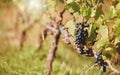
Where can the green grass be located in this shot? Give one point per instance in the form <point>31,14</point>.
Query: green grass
<point>32,62</point>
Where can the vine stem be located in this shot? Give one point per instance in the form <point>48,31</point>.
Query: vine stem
<point>51,54</point>
<point>53,26</point>
<point>42,37</point>
<point>112,68</point>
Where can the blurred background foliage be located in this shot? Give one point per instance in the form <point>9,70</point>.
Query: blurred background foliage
<point>26,18</point>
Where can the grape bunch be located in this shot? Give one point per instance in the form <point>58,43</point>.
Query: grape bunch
<point>99,60</point>
<point>81,33</point>
<point>81,36</point>
<point>89,52</point>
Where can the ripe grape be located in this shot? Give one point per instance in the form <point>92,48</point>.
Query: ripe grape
<point>89,52</point>
<point>99,60</point>
<point>81,33</point>
<point>81,50</point>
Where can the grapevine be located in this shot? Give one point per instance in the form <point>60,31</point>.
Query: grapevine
<point>82,36</point>
<point>88,27</point>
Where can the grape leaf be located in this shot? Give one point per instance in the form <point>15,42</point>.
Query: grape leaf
<point>78,1</point>
<point>112,12</point>
<point>109,52</point>
<point>5,1</point>
<point>52,4</point>
<point>62,1</point>
<point>93,12</point>
<point>91,30</point>
<point>90,2</point>
<point>99,12</point>
<point>118,9</point>
<point>73,7</point>
<point>76,15</point>
<point>104,40</point>
<point>85,11</point>
<point>117,40</point>
<point>69,1</point>
<point>116,28</point>
<point>71,27</point>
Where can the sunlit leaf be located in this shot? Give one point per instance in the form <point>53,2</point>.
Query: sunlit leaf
<point>109,52</point>
<point>92,32</point>
<point>51,5</point>
<point>116,28</point>
<point>76,15</point>
<point>73,7</point>
<point>69,1</point>
<point>5,1</point>
<point>118,9</point>
<point>93,12</point>
<point>112,11</point>
<point>71,26</point>
<point>117,40</point>
<point>62,1</point>
<point>85,11</point>
<point>90,2</point>
<point>104,40</point>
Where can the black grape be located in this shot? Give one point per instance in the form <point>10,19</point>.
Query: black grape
<point>89,52</point>
<point>81,33</point>
<point>81,50</point>
<point>104,68</point>
<point>99,60</point>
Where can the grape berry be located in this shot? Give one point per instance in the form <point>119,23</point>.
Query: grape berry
<point>99,60</point>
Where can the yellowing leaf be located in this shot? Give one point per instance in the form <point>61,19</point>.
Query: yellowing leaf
<point>71,26</point>
<point>93,12</point>
<point>69,1</point>
<point>104,40</point>
<point>116,28</point>
<point>112,11</point>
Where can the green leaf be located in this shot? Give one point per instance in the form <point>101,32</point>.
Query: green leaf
<point>99,12</point>
<point>109,52</point>
<point>112,12</point>
<point>117,40</point>
<point>69,1</point>
<point>85,11</point>
<point>118,9</point>
<point>62,1</point>
<point>116,28</point>
<point>90,2</point>
<point>118,6</point>
<point>104,40</point>
<point>78,1</point>
<point>91,30</point>
<point>73,7</point>
<point>71,27</point>
<point>93,12</point>
<point>76,15</point>
<point>104,57</point>
<point>6,1</point>
<point>52,4</point>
